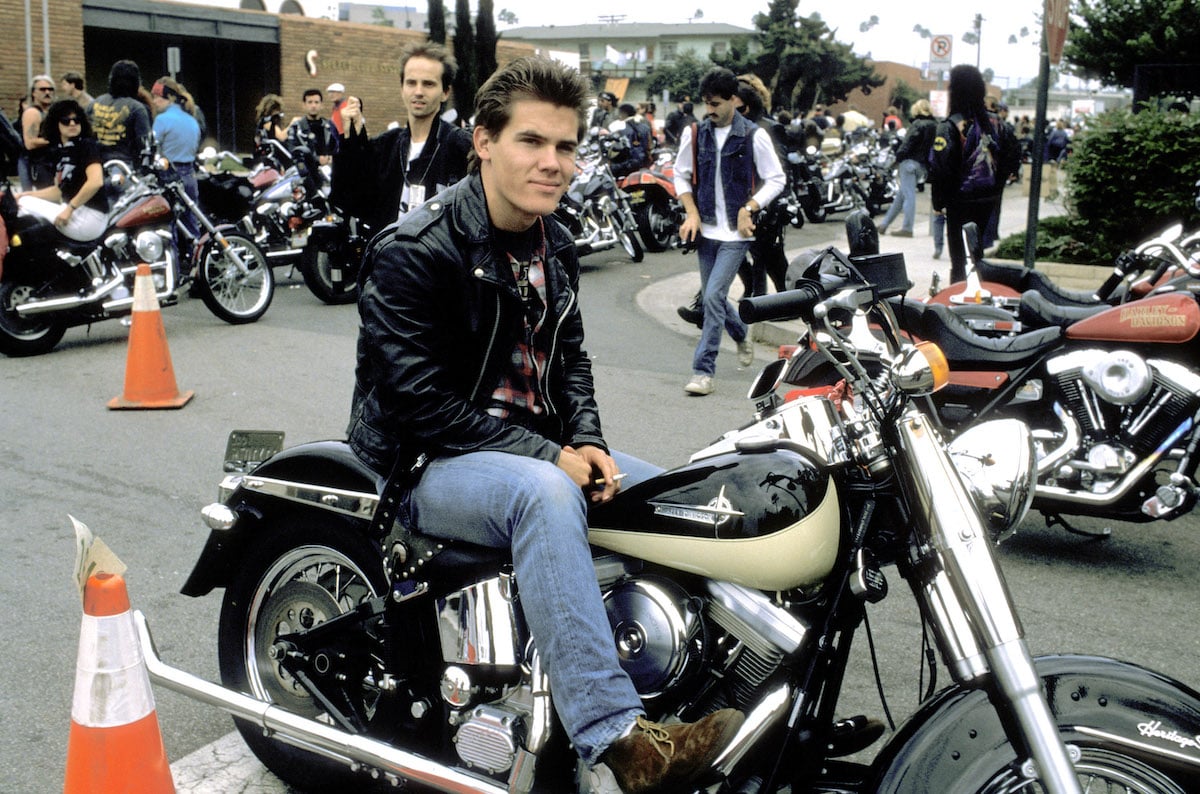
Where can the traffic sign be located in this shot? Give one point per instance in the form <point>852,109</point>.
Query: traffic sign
<point>940,49</point>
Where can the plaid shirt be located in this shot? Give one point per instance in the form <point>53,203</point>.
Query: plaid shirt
<point>518,394</point>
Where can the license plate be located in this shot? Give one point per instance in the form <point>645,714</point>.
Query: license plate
<point>245,449</point>
<point>300,239</point>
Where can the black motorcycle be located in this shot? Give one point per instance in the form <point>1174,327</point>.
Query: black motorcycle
<point>352,647</point>
<point>282,201</point>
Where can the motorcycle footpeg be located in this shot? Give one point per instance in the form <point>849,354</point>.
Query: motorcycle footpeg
<point>852,735</point>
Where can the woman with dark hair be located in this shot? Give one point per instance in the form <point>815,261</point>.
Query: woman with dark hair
<point>972,156</point>
<point>270,120</point>
<point>120,118</point>
<point>75,203</point>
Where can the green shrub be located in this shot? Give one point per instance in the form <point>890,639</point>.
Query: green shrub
<point>1129,176</point>
<point>1056,241</point>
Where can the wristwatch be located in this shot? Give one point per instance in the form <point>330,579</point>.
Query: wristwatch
<point>749,208</point>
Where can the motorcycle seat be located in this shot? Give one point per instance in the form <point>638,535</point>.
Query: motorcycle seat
<point>966,350</point>
<point>1037,311</point>
<point>1028,280</point>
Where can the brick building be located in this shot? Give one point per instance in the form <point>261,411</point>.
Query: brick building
<point>228,58</point>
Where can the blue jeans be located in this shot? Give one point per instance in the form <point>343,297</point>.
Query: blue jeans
<point>719,263</point>
<point>906,199</point>
<point>531,506</point>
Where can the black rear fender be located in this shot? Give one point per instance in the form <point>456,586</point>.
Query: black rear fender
<point>320,482</point>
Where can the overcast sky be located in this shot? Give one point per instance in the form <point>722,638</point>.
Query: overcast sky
<point>891,39</point>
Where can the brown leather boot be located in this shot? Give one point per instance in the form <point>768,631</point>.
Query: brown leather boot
<point>666,758</point>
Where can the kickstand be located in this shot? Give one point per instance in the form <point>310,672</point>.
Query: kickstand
<point>1057,520</point>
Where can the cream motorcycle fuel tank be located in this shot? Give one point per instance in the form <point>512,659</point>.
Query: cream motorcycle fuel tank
<point>767,520</point>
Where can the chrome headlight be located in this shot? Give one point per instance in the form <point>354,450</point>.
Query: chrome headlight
<point>149,246</point>
<point>995,460</point>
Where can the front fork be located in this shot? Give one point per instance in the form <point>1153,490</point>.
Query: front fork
<point>229,251</point>
<point>969,603</point>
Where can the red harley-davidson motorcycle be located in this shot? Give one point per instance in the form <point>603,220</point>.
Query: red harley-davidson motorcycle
<point>49,283</point>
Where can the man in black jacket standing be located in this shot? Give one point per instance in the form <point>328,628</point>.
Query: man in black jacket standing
<point>381,179</point>
<point>475,397</point>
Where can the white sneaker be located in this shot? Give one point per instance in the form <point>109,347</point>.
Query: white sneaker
<point>699,385</point>
<point>745,350</point>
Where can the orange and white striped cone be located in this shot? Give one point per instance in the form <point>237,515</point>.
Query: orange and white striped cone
<point>149,376</point>
<point>115,745</point>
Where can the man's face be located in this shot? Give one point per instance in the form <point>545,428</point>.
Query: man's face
<point>422,87</point>
<point>527,167</point>
<point>720,110</point>
<point>335,97</point>
<point>68,90</point>
<point>605,103</point>
<point>43,94</point>
<point>313,104</point>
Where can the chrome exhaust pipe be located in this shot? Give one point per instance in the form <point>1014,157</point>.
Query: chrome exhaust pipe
<point>67,302</point>
<point>316,737</point>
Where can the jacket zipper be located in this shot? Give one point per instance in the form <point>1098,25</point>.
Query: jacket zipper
<point>554,346</point>
<point>488,353</point>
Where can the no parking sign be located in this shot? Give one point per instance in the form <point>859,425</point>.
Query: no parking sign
<point>940,48</point>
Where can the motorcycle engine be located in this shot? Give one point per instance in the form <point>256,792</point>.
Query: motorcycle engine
<point>1126,407</point>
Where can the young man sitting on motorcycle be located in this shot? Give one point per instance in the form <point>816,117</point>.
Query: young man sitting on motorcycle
<point>474,391</point>
<point>75,203</point>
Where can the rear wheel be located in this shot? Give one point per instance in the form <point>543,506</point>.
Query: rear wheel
<point>328,275</point>
<point>299,577</point>
<point>230,294</point>
<point>656,226</point>
<point>25,336</point>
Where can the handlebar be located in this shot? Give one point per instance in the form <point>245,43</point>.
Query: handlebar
<point>789,305</point>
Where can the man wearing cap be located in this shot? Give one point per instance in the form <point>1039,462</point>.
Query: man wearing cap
<point>313,130</point>
<point>382,179</point>
<point>336,92</point>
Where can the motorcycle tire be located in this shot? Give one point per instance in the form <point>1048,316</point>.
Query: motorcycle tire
<point>316,267</point>
<point>657,229</point>
<point>25,336</point>
<point>235,298</point>
<point>632,246</point>
<point>815,211</point>
<point>1097,769</point>
<point>297,577</point>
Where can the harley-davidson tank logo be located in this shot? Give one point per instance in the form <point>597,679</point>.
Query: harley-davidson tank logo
<point>1152,317</point>
<point>715,513</point>
<point>1154,730</point>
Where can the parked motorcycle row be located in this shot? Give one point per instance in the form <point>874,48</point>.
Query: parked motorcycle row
<point>276,213</point>
<point>1108,380</point>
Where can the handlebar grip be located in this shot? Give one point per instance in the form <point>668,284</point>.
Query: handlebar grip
<point>1110,284</point>
<point>789,305</point>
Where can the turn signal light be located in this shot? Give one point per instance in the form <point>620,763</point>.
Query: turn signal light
<point>937,363</point>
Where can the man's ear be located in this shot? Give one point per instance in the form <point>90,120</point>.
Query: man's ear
<point>482,140</point>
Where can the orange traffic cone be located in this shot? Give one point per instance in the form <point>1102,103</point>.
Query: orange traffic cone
<point>114,745</point>
<point>149,376</point>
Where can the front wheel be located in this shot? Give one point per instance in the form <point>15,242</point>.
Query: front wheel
<point>230,294</point>
<point>1097,770</point>
<point>631,245</point>
<point>297,578</point>
<point>25,336</point>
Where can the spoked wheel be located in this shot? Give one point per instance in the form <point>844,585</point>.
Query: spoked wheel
<point>1100,772</point>
<point>25,336</point>
<point>631,245</point>
<point>297,579</point>
<point>230,294</point>
<point>656,226</point>
<point>330,278</point>
<point>815,211</point>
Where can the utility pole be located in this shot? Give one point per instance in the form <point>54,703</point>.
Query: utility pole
<point>978,37</point>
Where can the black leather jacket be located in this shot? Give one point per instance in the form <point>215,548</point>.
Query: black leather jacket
<point>440,319</point>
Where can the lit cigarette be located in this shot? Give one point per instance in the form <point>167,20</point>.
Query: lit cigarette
<point>615,478</point>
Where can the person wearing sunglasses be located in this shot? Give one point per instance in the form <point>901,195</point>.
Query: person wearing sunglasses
<point>37,166</point>
<point>75,203</point>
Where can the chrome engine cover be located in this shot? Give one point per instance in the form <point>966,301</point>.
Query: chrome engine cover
<point>489,737</point>
<point>652,628</point>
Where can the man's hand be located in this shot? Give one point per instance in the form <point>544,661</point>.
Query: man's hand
<point>352,114</point>
<point>588,467</point>
<point>689,228</point>
<point>745,223</point>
